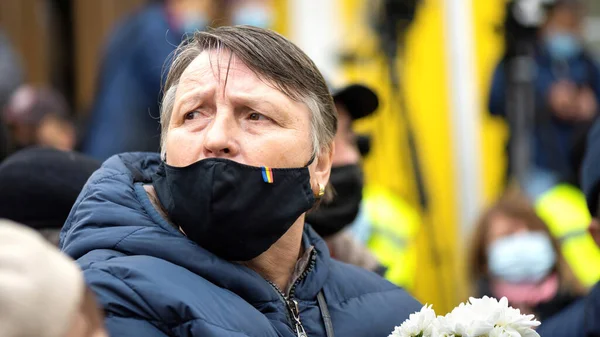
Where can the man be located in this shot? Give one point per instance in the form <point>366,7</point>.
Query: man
<point>209,238</point>
<point>42,292</point>
<point>567,90</point>
<point>38,187</point>
<point>331,218</point>
<point>365,226</point>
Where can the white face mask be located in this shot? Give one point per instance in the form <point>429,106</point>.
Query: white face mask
<point>522,258</point>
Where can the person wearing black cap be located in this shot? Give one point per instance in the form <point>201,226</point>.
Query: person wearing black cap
<point>352,102</point>
<point>38,187</point>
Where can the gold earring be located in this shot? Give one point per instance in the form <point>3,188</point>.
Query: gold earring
<point>321,191</point>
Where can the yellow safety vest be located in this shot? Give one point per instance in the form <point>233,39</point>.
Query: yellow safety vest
<point>565,211</point>
<point>394,227</point>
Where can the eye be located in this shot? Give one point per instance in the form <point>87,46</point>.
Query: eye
<point>255,116</point>
<point>191,115</point>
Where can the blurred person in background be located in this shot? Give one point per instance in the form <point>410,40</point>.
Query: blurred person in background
<point>567,90</point>
<point>38,116</point>
<point>257,13</point>
<point>38,187</point>
<point>514,256</point>
<point>42,291</point>
<point>364,225</point>
<point>124,115</point>
<point>208,238</point>
<point>582,318</point>
<point>331,217</point>
<point>375,230</point>
<point>11,78</point>
<point>125,112</point>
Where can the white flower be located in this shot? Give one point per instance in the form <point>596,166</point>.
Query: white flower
<point>503,316</point>
<point>478,317</point>
<point>513,319</point>
<point>463,321</point>
<point>504,332</point>
<point>419,324</point>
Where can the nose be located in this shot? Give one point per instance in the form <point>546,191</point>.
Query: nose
<point>219,140</point>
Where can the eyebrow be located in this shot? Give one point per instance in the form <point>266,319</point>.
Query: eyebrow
<point>262,105</point>
<point>190,101</point>
<point>194,96</point>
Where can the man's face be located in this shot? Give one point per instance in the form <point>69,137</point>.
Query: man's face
<point>346,149</point>
<point>228,112</point>
<point>564,19</point>
<point>192,6</point>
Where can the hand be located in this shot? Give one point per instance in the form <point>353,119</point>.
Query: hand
<point>562,99</point>
<point>587,104</point>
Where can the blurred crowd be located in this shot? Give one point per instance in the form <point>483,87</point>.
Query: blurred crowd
<point>537,245</point>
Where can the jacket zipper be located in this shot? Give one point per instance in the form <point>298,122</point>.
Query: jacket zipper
<point>291,304</point>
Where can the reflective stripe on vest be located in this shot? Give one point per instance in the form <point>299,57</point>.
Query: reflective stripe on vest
<point>565,211</point>
<point>394,226</point>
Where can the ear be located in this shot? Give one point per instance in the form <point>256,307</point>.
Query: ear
<point>322,168</point>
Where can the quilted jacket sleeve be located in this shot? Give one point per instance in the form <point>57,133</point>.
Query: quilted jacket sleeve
<point>127,315</point>
<point>131,327</point>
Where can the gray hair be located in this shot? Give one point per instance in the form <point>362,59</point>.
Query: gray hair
<point>271,57</point>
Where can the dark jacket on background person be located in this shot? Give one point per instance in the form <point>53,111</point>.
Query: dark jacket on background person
<point>125,111</point>
<point>581,319</point>
<point>153,281</point>
<point>553,139</point>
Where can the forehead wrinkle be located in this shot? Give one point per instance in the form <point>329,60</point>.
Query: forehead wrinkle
<point>191,90</point>
<point>216,68</point>
<point>241,90</point>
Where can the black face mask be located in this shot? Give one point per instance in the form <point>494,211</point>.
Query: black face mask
<point>233,210</point>
<point>332,217</point>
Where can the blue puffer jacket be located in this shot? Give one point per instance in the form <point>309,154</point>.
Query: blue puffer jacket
<point>578,320</point>
<point>153,281</point>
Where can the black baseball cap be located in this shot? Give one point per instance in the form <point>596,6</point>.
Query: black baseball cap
<point>360,101</point>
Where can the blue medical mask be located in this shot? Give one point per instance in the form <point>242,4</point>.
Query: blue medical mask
<point>192,22</point>
<point>522,258</point>
<point>563,46</point>
<point>257,16</point>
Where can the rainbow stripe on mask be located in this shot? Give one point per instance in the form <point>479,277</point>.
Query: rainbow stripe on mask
<point>267,174</point>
